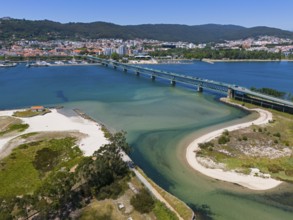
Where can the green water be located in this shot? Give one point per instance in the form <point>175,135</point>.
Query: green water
<point>160,124</point>
<point>160,121</point>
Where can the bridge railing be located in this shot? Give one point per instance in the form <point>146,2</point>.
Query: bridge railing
<point>210,84</point>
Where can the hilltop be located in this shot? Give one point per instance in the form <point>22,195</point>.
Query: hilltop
<point>49,30</point>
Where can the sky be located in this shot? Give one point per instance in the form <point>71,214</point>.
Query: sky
<point>247,13</point>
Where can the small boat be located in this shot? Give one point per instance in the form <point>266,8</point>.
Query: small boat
<point>72,62</point>
<point>39,64</point>
<point>59,63</point>
<point>5,65</point>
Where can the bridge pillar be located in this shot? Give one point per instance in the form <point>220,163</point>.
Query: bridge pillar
<point>230,93</point>
<point>199,88</point>
<point>173,82</point>
<point>137,73</point>
<point>153,77</point>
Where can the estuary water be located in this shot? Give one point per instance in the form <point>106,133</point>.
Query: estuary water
<point>161,120</point>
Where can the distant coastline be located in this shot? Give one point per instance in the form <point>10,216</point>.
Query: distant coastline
<point>242,60</point>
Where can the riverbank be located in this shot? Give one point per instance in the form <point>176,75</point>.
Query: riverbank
<point>212,61</point>
<point>55,121</point>
<point>248,181</point>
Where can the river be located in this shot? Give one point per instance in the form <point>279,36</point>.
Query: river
<point>161,120</point>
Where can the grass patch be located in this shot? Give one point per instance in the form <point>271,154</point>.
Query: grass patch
<point>106,131</point>
<point>23,171</point>
<point>108,209</point>
<point>29,113</point>
<point>14,127</point>
<point>162,212</point>
<point>100,211</point>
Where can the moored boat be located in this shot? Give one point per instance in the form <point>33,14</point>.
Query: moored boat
<point>8,64</point>
<point>39,64</point>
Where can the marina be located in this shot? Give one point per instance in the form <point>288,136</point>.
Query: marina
<point>59,63</point>
<point>7,65</point>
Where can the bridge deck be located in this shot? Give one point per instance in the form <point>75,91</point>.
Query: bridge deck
<point>194,81</point>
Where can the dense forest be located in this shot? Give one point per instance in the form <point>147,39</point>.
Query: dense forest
<point>44,30</point>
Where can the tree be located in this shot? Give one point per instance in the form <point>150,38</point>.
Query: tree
<point>115,56</point>
<point>143,202</point>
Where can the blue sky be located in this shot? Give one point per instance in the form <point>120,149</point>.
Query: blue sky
<point>248,13</point>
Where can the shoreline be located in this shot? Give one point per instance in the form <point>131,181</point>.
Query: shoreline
<point>57,122</point>
<point>247,181</point>
<point>211,61</point>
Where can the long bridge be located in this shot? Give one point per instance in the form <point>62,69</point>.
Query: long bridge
<point>231,90</point>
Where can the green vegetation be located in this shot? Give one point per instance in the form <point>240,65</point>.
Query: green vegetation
<point>24,136</point>
<point>40,173</point>
<point>23,171</point>
<point>14,127</point>
<point>162,212</point>
<point>217,54</point>
<point>101,210</point>
<point>224,138</point>
<point>143,202</point>
<point>207,145</point>
<point>106,131</point>
<point>181,208</point>
<point>269,91</point>
<point>48,30</point>
<point>29,113</point>
<point>262,147</point>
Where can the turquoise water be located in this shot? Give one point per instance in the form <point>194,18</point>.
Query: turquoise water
<point>160,121</point>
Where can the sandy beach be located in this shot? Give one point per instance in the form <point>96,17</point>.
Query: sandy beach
<point>56,121</point>
<point>248,181</point>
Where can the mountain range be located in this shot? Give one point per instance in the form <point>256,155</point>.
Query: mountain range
<point>49,30</point>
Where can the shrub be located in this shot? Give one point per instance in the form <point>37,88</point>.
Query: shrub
<point>46,159</point>
<point>223,139</point>
<point>226,132</point>
<point>274,168</point>
<point>277,134</point>
<point>143,202</point>
<point>276,141</point>
<point>289,172</point>
<point>244,138</point>
<point>110,191</point>
<point>206,145</point>
<point>259,129</point>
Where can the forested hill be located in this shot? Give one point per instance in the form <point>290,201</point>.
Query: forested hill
<point>49,30</point>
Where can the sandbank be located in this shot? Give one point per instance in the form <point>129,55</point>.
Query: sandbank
<point>55,121</point>
<point>248,181</point>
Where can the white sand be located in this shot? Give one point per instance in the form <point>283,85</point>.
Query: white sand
<point>55,121</point>
<point>249,181</point>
